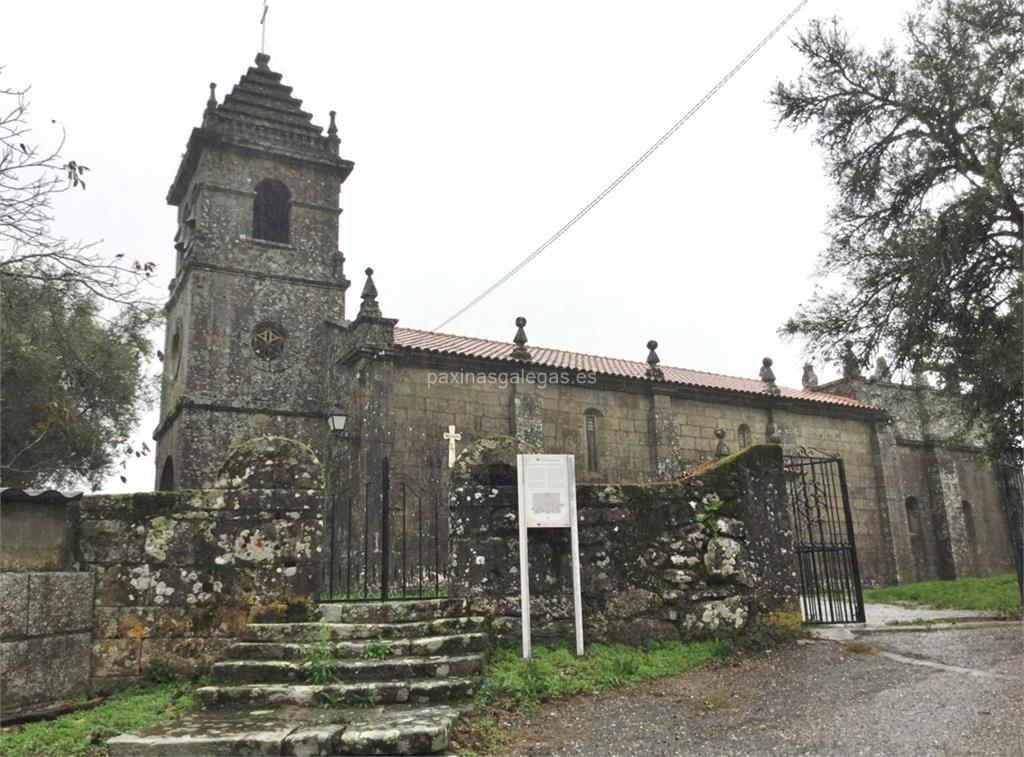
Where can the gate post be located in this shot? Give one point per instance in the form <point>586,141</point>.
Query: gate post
<point>848,516</point>
<point>385,527</point>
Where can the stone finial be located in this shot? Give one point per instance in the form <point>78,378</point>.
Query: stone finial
<point>768,376</point>
<point>262,61</point>
<point>370,308</point>
<point>519,352</point>
<point>882,370</point>
<point>653,369</point>
<point>721,449</point>
<point>810,378</point>
<point>851,366</point>
<point>211,102</point>
<point>332,129</point>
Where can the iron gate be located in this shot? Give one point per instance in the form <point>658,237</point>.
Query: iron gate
<point>389,541</point>
<point>830,590</point>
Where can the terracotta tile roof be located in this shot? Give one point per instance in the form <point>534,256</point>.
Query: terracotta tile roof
<point>464,346</point>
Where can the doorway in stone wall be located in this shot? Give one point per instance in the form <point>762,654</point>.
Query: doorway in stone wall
<point>826,554</point>
<point>389,541</point>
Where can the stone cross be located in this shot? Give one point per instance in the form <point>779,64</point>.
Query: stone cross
<point>452,436</point>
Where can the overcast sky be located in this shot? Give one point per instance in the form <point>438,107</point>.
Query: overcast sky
<point>477,130</point>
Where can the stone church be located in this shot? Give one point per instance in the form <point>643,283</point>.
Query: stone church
<point>260,341</point>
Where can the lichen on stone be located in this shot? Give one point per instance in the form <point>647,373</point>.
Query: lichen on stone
<point>271,462</point>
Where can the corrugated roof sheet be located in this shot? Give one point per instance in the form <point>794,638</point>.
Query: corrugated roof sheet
<point>43,496</point>
<point>464,346</point>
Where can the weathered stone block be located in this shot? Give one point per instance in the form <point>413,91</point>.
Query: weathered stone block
<point>60,602</point>
<point>142,622</point>
<point>641,629</point>
<point>722,557</point>
<point>41,671</point>
<point>632,601</point>
<point>13,605</point>
<point>37,537</point>
<point>186,655</point>
<point>125,585</point>
<point>116,657</point>
<point>106,542</point>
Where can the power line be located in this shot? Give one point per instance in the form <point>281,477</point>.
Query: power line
<point>636,164</point>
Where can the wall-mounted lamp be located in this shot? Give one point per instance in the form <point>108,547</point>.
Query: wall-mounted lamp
<point>337,419</point>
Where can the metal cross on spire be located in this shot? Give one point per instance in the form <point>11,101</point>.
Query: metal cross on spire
<point>263,28</point>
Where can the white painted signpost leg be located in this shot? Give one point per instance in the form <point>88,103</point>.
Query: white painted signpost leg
<point>574,537</point>
<point>524,564</point>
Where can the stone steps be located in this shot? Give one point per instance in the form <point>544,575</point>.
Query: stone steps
<point>403,611</point>
<point>423,646</point>
<point>262,695</point>
<point>400,730</point>
<point>261,701</point>
<point>305,632</point>
<point>348,671</point>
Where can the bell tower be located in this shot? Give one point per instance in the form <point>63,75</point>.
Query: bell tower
<point>258,279</point>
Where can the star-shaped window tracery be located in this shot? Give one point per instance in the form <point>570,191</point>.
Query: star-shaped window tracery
<point>268,341</point>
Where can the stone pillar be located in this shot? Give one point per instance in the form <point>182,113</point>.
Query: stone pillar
<point>666,459</point>
<point>900,560</point>
<point>363,383</point>
<point>527,421</point>
<point>954,553</point>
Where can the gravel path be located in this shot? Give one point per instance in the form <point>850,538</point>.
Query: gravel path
<point>818,698</point>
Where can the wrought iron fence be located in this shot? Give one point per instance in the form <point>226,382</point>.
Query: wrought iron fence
<point>390,541</point>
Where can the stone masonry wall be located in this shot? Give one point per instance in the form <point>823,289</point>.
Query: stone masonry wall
<point>179,574</point>
<point>167,575</point>
<point>658,561</point>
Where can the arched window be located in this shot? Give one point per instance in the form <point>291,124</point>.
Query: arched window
<point>968,512</point>
<point>590,426</point>
<point>743,436</point>
<point>270,210</point>
<point>167,475</point>
<point>913,517</point>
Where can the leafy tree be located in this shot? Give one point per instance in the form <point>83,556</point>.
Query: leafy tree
<point>72,382</point>
<point>924,145</point>
<point>73,326</point>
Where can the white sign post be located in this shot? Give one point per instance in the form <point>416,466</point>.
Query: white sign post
<point>547,499</point>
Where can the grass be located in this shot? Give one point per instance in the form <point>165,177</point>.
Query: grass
<point>83,733</point>
<point>318,656</point>
<point>513,685</point>
<point>377,650</point>
<point>556,672</point>
<point>999,593</point>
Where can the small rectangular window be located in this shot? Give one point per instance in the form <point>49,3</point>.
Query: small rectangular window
<point>591,426</point>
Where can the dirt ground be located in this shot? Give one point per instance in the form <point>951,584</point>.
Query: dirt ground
<point>922,692</point>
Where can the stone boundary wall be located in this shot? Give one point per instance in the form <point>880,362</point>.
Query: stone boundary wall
<point>172,576</point>
<point>177,580</point>
<point>46,624</point>
<point>676,560</point>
